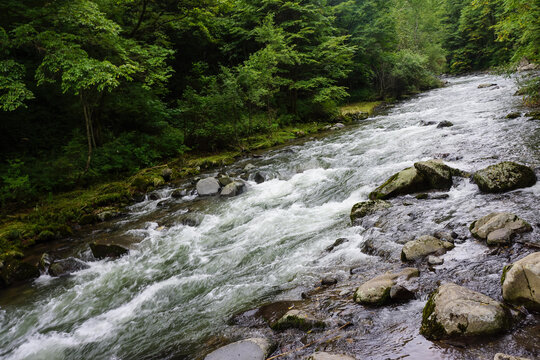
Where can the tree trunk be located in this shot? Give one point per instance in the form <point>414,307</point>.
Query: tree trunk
<point>89,131</point>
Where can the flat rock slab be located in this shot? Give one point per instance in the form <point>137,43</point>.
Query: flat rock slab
<point>378,290</point>
<point>504,176</point>
<point>455,311</point>
<point>208,187</point>
<point>249,349</point>
<point>498,228</point>
<point>423,246</point>
<point>521,282</point>
<point>327,356</point>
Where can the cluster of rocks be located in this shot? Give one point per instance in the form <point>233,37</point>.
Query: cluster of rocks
<point>223,185</point>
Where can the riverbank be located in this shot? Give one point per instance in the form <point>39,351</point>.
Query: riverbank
<point>58,215</point>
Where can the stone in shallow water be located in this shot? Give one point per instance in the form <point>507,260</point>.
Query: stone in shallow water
<point>434,260</point>
<point>249,349</point>
<point>327,356</point>
<point>377,291</point>
<point>369,207</point>
<point>455,311</point>
<point>101,251</point>
<point>501,356</point>
<point>297,319</point>
<point>521,282</point>
<point>208,187</point>
<point>66,266</point>
<point>498,228</point>
<point>504,176</point>
<point>423,246</point>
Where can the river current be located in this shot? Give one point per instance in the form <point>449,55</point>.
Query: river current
<point>182,281</point>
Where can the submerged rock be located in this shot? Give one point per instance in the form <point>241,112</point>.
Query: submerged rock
<point>444,124</point>
<point>501,356</point>
<point>378,290</point>
<point>513,115</point>
<point>66,266</point>
<point>224,180</point>
<point>498,228</point>
<point>297,319</point>
<point>259,178</point>
<point>14,271</point>
<point>336,244</point>
<point>504,176</point>
<point>101,251</point>
<point>327,356</point>
<point>483,86</point>
<point>208,187</point>
<point>521,282</point>
<point>369,207</point>
<point>423,246</point>
<point>249,349</point>
<point>454,311</point>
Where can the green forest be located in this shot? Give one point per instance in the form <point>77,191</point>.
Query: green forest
<point>94,91</point>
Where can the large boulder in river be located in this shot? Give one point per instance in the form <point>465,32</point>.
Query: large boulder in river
<point>249,349</point>
<point>454,311</point>
<point>504,176</point>
<point>13,271</point>
<point>498,228</point>
<point>101,251</point>
<point>208,187</point>
<point>369,207</point>
<point>521,282</point>
<point>297,319</point>
<point>423,246</point>
<point>424,175</point>
<point>378,290</point>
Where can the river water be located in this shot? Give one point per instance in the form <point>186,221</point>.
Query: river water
<point>180,284</point>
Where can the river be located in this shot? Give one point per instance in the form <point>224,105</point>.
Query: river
<point>175,293</point>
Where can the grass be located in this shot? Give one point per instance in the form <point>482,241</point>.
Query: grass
<point>367,107</point>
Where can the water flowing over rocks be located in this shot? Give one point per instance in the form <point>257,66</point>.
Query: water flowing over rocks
<point>455,311</point>
<point>521,282</point>
<point>504,176</point>
<point>378,291</point>
<point>66,266</point>
<point>102,251</point>
<point>499,228</point>
<point>249,349</point>
<point>423,246</point>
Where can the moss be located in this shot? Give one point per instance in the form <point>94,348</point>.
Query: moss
<point>45,235</point>
<point>296,322</point>
<point>367,107</point>
<point>431,328</point>
<point>212,161</point>
<point>505,270</point>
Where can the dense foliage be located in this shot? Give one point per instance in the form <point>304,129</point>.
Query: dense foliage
<point>94,89</point>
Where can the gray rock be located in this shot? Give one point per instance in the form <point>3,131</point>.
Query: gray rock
<point>339,126</point>
<point>328,281</point>
<point>44,262</point>
<point>501,356</point>
<point>504,176</point>
<point>14,271</point>
<point>437,174</point>
<point>444,235</point>
<point>399,293</point>
<point>297,319</point>
<point>423,246</point>
<point>178,193</point>
<point>498,228</point>
<point>327,356</point>
<point>521,282</point>
<point>249,349</point>
<point>444,124</point>
<point>66,266</point>
<point>208,187</point>
<point>249,167</point>
<point>377,290</point>
<point>259,178</point>
<point>101,251</point>
<point>434,260</point>
<point>224,180</point>
<point>369,207</point>
<point>455,311</point>
<point>483,86</point>
<point>232,189</point>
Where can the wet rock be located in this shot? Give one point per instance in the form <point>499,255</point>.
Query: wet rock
<point>504,176</point>
<point>439,196</point>
<point>224,180</point>
<point>369,207</point>
<point>232,189</point>
<point>445,236</point>
<point>375,247</point>
<point>191,219</point>
<point>455,311</point>
<point>483,86</point>
<point>249,349</point>
<point>259,178</point>
<point>399,293</point>
<point>501,356</point>
<point>108,215</point>
<point>328,281</point>
<point>434,260</point>
<point>444,124</point>
<point>427,123</point>
<point>101,251</point>
<point>422,196</point>
<point>14,271</point>
<point>437,173</point>
<point>249,167</point>
<point>337,126</point>
<point>498,228</point>
<point>521,282</point>
<point>513,115</point>
<point>66,266</point>
<point>44,262</point>
<point>404,182</point>
<point>297,319</point>
<point>336,244</point>
<point>377,290</point>
<point>166,174</point>
<point>327,356</point>
<point>208,187</point>
<point>423,246</point>
<point>154,196</point>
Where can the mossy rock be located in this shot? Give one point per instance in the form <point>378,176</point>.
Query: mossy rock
<point>297,319</point>
<point>503,177</point>
<point>377,291</point>
<point>14,271</point>
<point>101,251</point>
<point>369,207</point>
<point>404,182</point>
